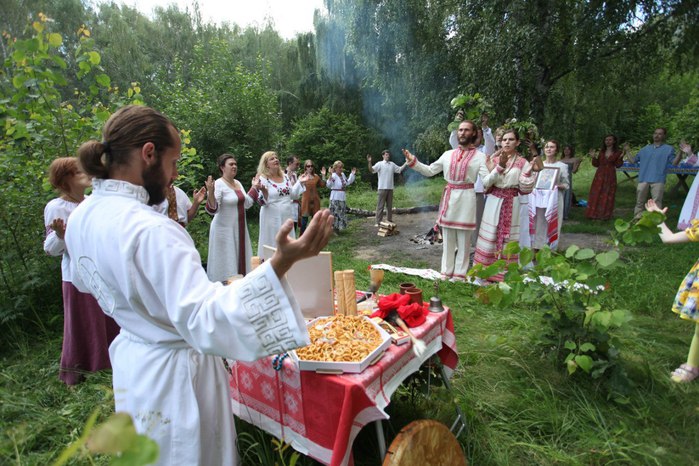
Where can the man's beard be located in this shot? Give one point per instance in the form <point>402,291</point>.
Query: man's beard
<point>154,182</point>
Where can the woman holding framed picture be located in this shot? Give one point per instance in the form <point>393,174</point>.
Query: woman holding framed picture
<point>546,200</point>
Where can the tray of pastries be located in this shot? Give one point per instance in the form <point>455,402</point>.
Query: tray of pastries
<point>342,344</point>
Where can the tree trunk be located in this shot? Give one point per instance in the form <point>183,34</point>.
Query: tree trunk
<point>406,210</point>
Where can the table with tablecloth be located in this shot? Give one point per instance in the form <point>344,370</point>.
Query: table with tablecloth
<point>682,171</point>
<point>320,415</point>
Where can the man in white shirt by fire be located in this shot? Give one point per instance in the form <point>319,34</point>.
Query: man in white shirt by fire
<point>385,169</point>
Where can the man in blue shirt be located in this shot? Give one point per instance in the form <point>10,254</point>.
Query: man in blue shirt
<point>653,160</point>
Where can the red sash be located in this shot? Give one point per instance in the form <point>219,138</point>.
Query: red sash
<point>241,231</point>
<point>505,220</point>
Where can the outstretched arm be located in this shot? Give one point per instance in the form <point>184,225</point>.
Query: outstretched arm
<point>197,198</point>
<point>211,204</point>
<point>533,151</point>
<point>666,235</point>
<point>576,164</point>
<point>488,141</point>
<point>677,157</point>
<point>686,148</point>
<point>409,158</point>
<point>313,240</point>
<point>453,140</point>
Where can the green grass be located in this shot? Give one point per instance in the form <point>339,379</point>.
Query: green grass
<point>39,415</point>
<point>521,408</point>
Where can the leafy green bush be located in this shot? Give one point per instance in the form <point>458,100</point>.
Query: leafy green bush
<point>227,108</point>
<point>685,123</point>
<point>46,111</point>
<point>568,289</point>
<point>325,136</point>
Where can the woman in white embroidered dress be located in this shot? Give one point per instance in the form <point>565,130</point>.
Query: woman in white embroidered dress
<point>510,175</point>
<point>87,331</point>
<point>546,206</point>
<point>337,182</point>
<point>229,241</point>
<point>278,192</point>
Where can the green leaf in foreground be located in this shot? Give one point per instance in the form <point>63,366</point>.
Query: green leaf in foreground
<point>606,259</point>
<point>621,225</point>
<point>572,249</point>
<point>584,254</point>
<point>114,436</point>
<point>584,362</point>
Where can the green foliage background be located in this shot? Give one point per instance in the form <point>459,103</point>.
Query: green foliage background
<point>372,75</point>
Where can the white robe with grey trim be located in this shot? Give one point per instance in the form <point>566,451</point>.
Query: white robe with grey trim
<point>145,272</point>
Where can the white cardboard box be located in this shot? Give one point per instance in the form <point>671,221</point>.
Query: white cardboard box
<point>342,367</point>
<point>311,281</point>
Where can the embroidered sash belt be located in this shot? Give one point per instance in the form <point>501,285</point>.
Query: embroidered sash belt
<point>446,195</point>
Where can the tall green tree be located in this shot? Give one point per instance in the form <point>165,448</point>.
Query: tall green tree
<point>530,59</point>
<point>39,124</point>
<point>228,108</point>
<point>398,54</point>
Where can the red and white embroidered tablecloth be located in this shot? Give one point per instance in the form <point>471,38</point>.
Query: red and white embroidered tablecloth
<point>320,415</point>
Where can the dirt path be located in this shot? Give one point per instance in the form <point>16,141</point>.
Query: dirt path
<point>400,250</point>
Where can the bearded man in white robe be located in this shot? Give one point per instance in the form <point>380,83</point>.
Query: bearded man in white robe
<point>175,324</point>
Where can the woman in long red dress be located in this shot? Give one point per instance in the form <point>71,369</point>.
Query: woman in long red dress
<point>600,205</point>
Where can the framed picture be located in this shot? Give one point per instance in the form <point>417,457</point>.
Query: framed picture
<point>547,178</point>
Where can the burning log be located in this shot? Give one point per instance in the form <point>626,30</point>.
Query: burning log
<point>433,235</point>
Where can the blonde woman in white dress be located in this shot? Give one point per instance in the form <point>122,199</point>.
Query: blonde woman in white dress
<point>277,195</point>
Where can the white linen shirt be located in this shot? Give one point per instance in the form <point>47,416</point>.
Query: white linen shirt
<point>53,245</point>
<point>335,184</point>
<point>457,207</point>
<point>145,272</point>
<point>385,170</point>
